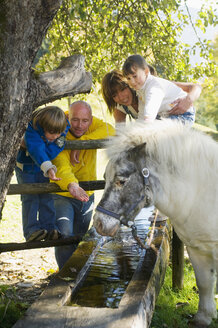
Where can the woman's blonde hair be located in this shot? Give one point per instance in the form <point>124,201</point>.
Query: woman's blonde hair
<point>51,119</point>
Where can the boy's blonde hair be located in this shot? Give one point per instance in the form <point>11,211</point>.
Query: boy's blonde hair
<point>51,119</point>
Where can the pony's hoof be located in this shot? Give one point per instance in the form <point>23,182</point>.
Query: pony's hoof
<point>195,325</point>
<point>201,320</point>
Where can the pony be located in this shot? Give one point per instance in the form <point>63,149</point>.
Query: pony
<point>174,168</point>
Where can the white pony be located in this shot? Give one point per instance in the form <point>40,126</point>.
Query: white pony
<point>174,168</point>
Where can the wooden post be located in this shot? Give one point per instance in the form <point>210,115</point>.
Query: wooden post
<point>177,262</point>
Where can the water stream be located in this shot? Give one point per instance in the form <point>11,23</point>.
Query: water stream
<point>113,267</point>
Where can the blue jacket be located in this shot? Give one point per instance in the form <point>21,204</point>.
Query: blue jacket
<point>38,148</point>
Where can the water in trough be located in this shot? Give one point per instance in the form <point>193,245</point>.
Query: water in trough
<point>113,267</point>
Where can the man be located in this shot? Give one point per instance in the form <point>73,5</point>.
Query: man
<point>74,208</point>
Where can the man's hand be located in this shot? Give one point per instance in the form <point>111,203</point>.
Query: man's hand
<point>77,192</point>
<point>52,175</point>
<point>181,105</point>
<point>74,156</point>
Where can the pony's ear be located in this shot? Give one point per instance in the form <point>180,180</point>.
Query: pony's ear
<point>136,152</point>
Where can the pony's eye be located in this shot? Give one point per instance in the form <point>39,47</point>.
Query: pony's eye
<point>120,182</point>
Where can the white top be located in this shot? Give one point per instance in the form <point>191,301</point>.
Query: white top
<point>156,97</point>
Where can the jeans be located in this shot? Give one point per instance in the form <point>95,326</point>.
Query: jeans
<point>186,118</point>
<point>38,211</point>
<point>72,217</point>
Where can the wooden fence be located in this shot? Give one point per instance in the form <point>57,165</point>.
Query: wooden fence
<point>36,188</point>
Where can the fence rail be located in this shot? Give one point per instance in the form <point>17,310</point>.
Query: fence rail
<point>86,144</point>
<point>9,247</point>
<point>36,188</point>
<point>44,188</point>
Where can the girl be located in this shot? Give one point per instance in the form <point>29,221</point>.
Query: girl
<point>156,95</point>
<point>44,139</point>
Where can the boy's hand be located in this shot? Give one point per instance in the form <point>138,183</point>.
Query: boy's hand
<point>52,175</point>
<point>77,192</point>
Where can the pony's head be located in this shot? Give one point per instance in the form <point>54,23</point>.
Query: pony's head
<point>149,164</point>
<point>128,188</point>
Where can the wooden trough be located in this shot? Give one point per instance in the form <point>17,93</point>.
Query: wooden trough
<point>136,306</point>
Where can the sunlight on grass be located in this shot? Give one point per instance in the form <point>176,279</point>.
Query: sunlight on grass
<point>11,223</point>
<point>174,308</point>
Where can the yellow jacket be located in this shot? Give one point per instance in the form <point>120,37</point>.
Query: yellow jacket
<point>85,170</point>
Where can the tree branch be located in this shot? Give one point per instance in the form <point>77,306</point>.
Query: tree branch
<point>69,79</point>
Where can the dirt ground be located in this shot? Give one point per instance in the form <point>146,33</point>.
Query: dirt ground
<point>29,271</point>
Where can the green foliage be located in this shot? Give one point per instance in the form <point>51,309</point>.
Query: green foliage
<point>207,105</point>
<point>106,32</point>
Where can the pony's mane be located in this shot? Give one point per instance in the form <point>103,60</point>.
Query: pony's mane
<point>164,137</point>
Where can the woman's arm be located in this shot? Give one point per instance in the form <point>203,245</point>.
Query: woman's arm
<point>183,104</point>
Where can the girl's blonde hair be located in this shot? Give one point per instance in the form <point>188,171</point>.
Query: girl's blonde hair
<point>51,119</point>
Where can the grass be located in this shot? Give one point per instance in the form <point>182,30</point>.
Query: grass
<point>174,308</point>
<point>11,309</point>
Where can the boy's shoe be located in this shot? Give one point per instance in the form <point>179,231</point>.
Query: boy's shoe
<point>53,235</point>
<point>37,235</point>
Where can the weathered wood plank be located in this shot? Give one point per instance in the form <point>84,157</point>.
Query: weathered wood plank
<point>86,144</point>
<point>43,188</point>
<point>8,247</point>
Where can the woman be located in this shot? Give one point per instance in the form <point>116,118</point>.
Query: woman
<point>122,100</point>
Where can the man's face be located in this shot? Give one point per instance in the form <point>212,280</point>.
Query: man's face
<point>80,119</point>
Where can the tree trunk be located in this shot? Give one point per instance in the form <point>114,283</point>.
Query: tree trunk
<point>23,25</point>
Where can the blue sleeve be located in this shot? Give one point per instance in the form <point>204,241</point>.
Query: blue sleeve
<point>39,148</point>
<point>35,145</point>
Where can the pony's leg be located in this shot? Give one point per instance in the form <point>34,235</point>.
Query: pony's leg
<point>205,273</point>
<point>216,259</point>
